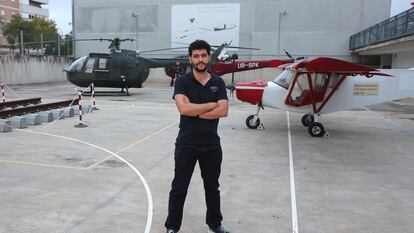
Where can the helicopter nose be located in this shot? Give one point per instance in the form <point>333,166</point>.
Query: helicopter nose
<point>69,71</point>
<point>70,74</point>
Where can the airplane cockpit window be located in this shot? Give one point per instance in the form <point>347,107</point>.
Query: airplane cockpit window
<point>102,63</point>
<point>301,93</point>
<point>284,79</point>
<point>89,65</point>
<point>300,89</point>
<point>334,80</point>
<point>319,82</point>
<point>77,65</point>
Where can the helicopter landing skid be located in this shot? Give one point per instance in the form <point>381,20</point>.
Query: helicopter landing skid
<point>108,93</point>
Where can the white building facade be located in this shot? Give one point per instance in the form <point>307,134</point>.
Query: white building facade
<point>302,27</point>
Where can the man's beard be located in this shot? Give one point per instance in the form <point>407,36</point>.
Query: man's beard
<point>198,69</point>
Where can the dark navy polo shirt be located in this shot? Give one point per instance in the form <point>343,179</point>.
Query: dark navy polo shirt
<point>195,131</point>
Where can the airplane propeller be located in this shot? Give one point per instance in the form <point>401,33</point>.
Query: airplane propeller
<point>291,57</point>
<point>232,86</point>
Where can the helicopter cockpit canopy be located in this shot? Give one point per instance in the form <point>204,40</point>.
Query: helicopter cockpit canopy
<point>76,66</point>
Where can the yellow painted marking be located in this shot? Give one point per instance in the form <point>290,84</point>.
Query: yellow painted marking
<point>42,164</point>
<point>132,145</point>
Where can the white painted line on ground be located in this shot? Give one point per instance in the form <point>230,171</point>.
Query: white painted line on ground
<point>295,227</point>
<point>144,182</point>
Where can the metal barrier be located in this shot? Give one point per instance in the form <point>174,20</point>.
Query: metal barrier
<point>395,27</point>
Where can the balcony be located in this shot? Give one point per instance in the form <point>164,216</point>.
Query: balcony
<point>41,1</point>
<point>395,27</point>
<point>31,10</point>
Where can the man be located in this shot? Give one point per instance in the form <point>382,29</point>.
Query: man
<point>201,100</point>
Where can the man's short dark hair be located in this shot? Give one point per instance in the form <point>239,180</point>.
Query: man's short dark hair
<point>197,45</point>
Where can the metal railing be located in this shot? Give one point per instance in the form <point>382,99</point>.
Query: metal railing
<point>395,27</point>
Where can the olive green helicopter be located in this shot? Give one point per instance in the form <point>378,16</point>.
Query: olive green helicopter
<point>123,68</point>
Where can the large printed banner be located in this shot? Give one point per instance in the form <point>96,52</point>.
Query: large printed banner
<point>215,23</point>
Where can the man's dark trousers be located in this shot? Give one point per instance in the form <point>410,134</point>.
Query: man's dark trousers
<point>210,165</point>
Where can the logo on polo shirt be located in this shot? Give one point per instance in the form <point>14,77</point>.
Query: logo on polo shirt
<point>214,89</point>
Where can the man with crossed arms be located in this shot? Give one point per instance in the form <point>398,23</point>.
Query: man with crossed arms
<point>201,99</point>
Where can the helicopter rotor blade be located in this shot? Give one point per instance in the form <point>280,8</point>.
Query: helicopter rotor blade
<point>181,43</point>
<point>238,47</point>
<point>127,39</point>
<point>156,50</point>
<point>104,39</point>
<point>234,47</point>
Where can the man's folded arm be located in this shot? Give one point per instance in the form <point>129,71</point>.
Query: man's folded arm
<point>189,109</point>
<point>220,111</point>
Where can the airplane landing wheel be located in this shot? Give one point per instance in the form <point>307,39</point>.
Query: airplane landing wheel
<point>316,129</point>
<point>307,120</point>
<point>251,123</point>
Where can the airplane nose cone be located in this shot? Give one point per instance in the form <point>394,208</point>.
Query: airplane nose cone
<point>250,92</point>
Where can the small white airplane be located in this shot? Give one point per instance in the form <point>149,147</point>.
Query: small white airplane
<point>324,85</point>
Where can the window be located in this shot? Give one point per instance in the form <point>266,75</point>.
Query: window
<point>89,65</point>
<point>2,12</point>
<point>300,89</point>
<point>319,82</point>
<point>102,63</point>
<point>284,79</point>
<point>13,13</point>
<point>77,65</point>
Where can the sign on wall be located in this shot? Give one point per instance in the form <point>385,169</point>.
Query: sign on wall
<point>215,23</point>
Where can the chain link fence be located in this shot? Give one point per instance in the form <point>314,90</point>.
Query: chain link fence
<point>41,44</point>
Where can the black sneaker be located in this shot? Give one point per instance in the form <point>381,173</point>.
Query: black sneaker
<point>171,231</point>
<point>219,229</point>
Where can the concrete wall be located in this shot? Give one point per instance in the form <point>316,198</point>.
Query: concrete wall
<point>403,60</point>
<point>29,70</point>
<point>309,28</point>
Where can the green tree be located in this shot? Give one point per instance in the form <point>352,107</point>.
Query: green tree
<point>31,32</point>
<point>48,28</point>
<point>11,30</point>
<point>66,45</point>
